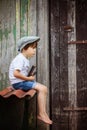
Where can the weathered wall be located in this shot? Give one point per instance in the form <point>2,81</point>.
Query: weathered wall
<point>19,18</point>
<point>7,38</point>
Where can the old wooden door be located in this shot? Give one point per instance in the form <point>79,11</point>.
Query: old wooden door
<point>68,22</point>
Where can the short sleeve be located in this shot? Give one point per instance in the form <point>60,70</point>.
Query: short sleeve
<point>18,64</point>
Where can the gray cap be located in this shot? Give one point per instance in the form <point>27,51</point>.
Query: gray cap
<point>22,42</point>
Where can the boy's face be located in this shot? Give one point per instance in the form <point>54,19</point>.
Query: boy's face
<point>30,51</point>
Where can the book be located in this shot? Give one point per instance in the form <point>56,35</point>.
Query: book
<point>32,71</point>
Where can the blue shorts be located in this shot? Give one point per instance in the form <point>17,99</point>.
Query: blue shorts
<point>25,85</point>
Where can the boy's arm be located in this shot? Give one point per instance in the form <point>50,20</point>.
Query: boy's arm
<point>17,74</point>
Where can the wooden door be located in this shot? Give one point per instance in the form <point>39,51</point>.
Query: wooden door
<point>68,22</point>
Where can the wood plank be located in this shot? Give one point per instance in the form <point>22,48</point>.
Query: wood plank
<point>11,39</point>
<point>17,22</point>
<point>32,23</point>
<point>43,48</point>
<point>7,37</point>
<point>81,32</point>
<point>1,17</point>
<point>24,18</point>
<point>63,67</point>
<point>72,56</point>
<point>59,65</point>
<point>32,30</point>
<point>55,62</point>
<point>72,65</point>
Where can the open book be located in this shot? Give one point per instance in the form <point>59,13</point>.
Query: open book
<point>32,70</point>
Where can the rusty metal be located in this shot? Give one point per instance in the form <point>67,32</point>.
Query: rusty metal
<point>78,42</point>
<point>75,109</point>
<point>68,28</point>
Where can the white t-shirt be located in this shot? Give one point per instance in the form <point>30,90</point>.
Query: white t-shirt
<point>20,62</point>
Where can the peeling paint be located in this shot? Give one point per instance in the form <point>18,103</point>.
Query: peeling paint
<point>24,8</point>
<point>0,34</point>
<point>14,31</point>
<point>6,33</point>
<point>3,33</point>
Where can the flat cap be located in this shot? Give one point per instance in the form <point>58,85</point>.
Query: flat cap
<point>22,42</point>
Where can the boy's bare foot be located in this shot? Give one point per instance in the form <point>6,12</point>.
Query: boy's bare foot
<point>44,119</point>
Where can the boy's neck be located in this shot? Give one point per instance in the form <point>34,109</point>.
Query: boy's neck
<point>24,54</point>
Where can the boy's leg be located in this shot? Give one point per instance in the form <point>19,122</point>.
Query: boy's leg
<point>41,97</point>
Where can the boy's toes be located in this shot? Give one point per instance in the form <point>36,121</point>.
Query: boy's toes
<point>45,120</point>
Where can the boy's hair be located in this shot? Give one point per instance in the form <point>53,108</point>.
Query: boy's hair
<point>33,45</point>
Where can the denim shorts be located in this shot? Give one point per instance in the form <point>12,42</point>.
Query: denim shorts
<point>25,85</point>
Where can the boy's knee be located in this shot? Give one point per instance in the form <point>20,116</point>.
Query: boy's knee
<point>41,88</point>
<point>45,89</point>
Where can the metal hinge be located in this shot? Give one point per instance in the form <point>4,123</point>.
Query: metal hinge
<point>75,109</point>
<point>78,42</point>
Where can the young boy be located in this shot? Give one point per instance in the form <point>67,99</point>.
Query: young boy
<point>18,74</point>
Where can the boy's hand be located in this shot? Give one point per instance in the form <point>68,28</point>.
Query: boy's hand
<point>31,77</point>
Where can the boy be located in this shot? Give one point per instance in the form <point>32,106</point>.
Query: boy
<point>18,74</point>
